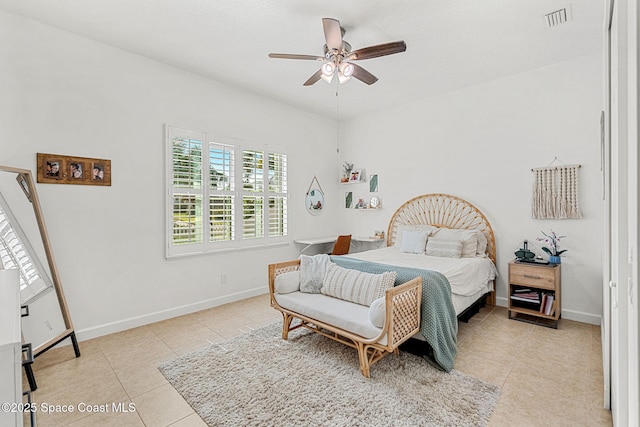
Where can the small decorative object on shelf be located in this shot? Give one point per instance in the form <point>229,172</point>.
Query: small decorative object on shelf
<point>346,171</point>
<point>552,240</point>
<point>357,175</point>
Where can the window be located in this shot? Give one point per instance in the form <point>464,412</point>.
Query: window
<point>223,195</point>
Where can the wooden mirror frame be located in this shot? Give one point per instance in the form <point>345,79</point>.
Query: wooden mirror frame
<point>26,182</point>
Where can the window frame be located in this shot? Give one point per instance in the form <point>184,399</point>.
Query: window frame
<point>238,193</point>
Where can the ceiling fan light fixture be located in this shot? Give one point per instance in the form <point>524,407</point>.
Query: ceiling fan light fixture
<point>328,69</point>
<point>327,79</point>
<point>347,69</point>
<point>343,79</point>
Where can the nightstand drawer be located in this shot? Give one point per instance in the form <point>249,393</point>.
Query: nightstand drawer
<point>527,275</point>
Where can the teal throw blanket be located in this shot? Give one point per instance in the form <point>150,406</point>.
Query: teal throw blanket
<point>438,321</point>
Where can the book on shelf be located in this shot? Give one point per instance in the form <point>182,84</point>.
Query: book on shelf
<point>534,299</point>
<point>549,305</point>
<point>543,302</point>
<point>553,308</point>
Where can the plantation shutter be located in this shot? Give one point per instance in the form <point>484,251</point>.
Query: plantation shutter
<point>253,197</point>
<point>222,196</point>
<point>277,194</point>
<point>221,192</point>
<point>187,225</point>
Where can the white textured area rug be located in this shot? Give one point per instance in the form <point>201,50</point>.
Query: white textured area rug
<point>258,379</point>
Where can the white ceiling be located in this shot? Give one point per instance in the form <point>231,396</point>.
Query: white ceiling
<point>450,43</point>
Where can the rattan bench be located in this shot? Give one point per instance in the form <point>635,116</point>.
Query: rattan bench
<point>402,305</point>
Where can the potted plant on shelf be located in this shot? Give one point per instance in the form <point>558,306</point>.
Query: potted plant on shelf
<point>552,242</point>
<point>347,168</point>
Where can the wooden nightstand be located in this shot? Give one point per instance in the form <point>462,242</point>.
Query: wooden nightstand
<point>535,293</point>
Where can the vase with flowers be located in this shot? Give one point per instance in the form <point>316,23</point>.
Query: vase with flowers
<point>552,242</point>
<point>346,171</point>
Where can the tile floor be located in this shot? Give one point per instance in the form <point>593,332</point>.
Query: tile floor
<point>547,376</point>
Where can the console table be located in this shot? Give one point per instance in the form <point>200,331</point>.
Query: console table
<point>358,242</point>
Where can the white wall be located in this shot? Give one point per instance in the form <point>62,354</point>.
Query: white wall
<point>480,144</point>
<point>69,95</point>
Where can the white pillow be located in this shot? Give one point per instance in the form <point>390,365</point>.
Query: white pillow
<point>288,282</point>
<point>312,271</point>
<point>356,286</point>
<point>469,239</point>
<point>444,247</point>
<point>482,244</point>
<point>400,230</point>
<point>415,227</point>
<point>378,312</point>
<point>414,242</point>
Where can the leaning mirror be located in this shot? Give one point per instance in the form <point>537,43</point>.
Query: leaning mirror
<point>24,243</point>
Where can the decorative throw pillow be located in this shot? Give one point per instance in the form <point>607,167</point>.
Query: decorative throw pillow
<point>356,286</point>
<point>415,227</point>
<point>378,312</point>
<point>482,244</point>
<point>287,282</point>
<point>469,239</point>
<point>444,247</point>
<point>312,271</point>
<point>414,242</point>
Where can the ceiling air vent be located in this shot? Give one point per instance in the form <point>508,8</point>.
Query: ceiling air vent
<point>557,17</point>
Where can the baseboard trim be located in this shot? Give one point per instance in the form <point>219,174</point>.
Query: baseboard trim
<point>578,316</point>
<point>134,322</point>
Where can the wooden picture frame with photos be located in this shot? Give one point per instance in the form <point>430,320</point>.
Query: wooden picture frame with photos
<point>60,169</point>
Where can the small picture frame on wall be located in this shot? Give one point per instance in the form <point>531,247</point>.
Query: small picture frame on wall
<point>76,170</point>
<point>60,169</point>
<point>348,199</point>
<point>52,168</point>
<point>373,183</point>
<point>355,175</point>
<point>97,171</point>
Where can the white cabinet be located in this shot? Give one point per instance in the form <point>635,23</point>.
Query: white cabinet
<point>10,348</point>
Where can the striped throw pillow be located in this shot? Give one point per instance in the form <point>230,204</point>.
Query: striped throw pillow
<point>444,247</point>
<point>356,286</point>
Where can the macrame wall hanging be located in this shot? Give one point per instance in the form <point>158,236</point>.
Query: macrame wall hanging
<point>555,192</point>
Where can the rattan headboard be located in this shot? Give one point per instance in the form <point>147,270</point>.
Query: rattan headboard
<point>442,210</point>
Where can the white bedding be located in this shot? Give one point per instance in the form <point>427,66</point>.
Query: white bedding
<point>467,276</point>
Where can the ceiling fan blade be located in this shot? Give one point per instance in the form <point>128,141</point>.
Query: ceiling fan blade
<point>378,50</point>
<point>313,78</point>
<point>363,75</point>
<point>294,56</point>
<point>332,33</point>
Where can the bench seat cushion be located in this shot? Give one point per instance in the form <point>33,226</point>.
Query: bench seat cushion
<point>342,314</point>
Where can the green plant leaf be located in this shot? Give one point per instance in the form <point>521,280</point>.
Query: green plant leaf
<point>547,251</point>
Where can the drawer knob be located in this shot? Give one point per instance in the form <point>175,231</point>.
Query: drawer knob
<point>528,276</point>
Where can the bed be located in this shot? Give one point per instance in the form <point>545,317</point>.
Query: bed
<point>470,276</point>
<point>472,279</point>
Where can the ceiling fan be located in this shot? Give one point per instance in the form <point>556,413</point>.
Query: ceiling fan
<point>338,56</point>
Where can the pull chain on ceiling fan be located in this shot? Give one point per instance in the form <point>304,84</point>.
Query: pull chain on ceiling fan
<point>338,56</point>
